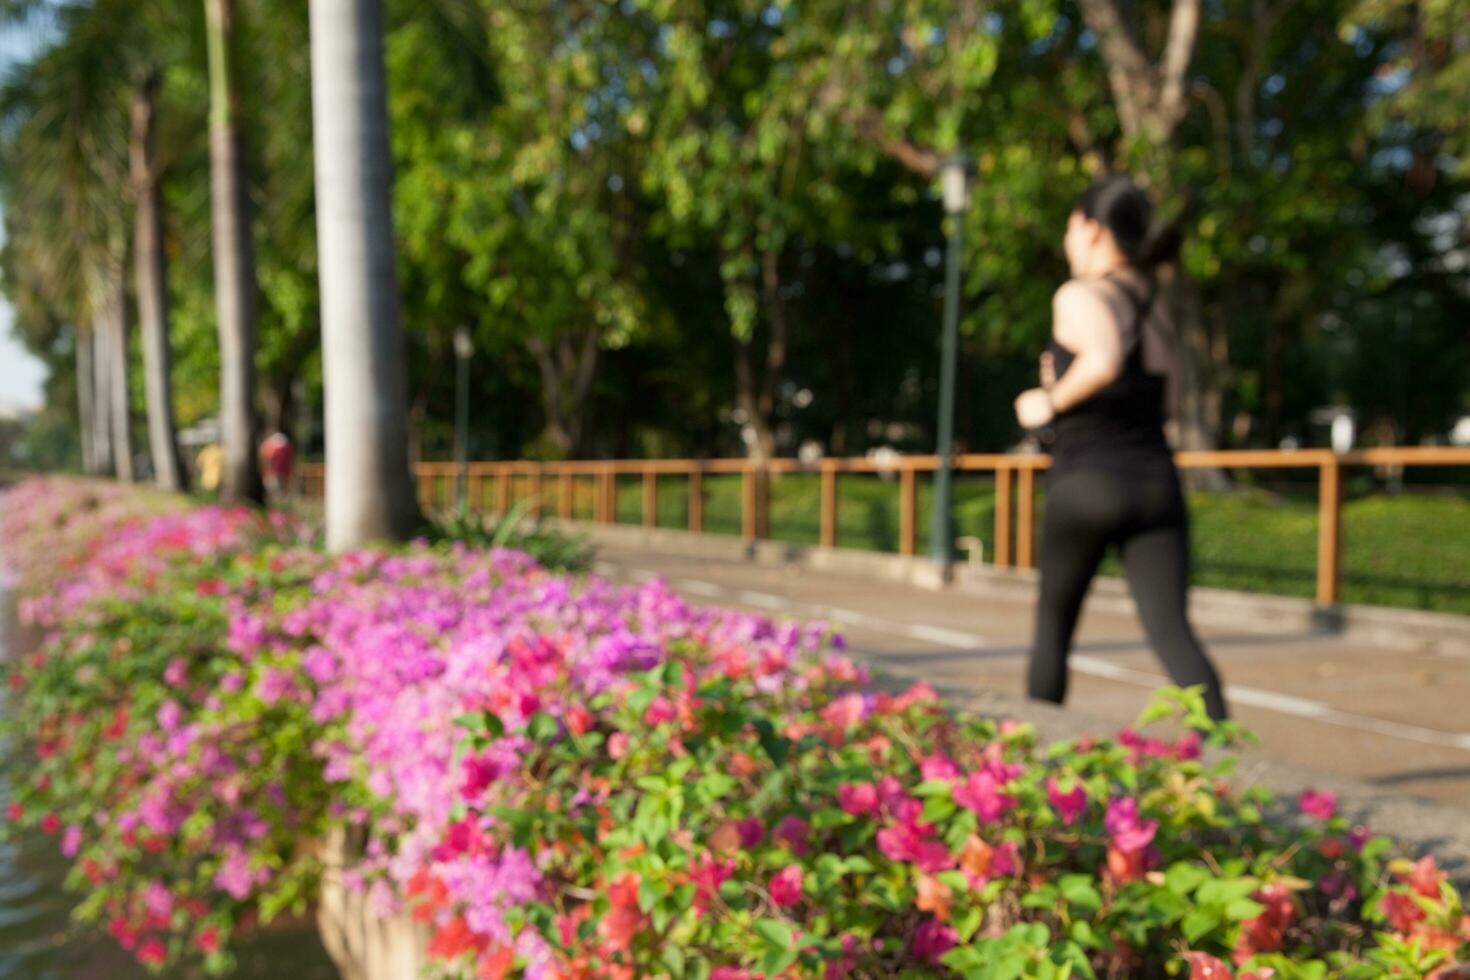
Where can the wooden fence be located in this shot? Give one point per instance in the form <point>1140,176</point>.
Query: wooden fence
<point>1015,490</point>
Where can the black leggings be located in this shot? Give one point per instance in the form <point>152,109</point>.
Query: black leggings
<point>1142,513</point>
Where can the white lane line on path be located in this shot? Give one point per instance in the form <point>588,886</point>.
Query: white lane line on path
<point>763,599</point>
<point>944,637</point>
<point>697,587</point>
<point>1283,704</point>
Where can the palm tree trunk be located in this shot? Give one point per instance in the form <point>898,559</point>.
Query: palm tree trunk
<point>100,421</point>
<point>370,491</point>
<point>234,264</point>
<point>115,322</point>
<point>85,381</point>
<point>150,269</point>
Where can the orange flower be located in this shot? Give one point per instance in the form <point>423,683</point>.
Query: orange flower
<point>975,858</point>
<point>934,896</point>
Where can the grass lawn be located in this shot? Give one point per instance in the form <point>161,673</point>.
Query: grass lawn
<point>1410,551</point>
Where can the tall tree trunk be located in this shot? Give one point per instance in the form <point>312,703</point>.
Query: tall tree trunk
<point>370,489</point>
<point>1151,100</point>
<point>234,264</point>
<point>86,381</point>
<point>115,321</point>
<point>151,274</point>
<point>568,366</point>
<point>101,421</point>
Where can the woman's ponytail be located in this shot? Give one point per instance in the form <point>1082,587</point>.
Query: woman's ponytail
<point>1120,206</point>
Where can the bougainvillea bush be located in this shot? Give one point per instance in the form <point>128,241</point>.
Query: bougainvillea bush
<point>566,779</point>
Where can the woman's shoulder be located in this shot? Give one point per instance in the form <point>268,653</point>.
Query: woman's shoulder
<point>1080,296</point>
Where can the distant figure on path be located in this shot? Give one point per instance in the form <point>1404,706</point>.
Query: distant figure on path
<point>211,464</point>
<point>276,458</point>
<point>1105,376</point>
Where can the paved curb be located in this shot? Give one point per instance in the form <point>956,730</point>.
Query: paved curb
<point>1443,633</point>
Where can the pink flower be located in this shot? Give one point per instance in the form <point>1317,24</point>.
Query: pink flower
<point>1323,806</point>
<point>729,973</point>
<point>708,874</point>
<point>158,900</point>
<point>71,841</point>
<point>938,767</point>
<point>981,793</point>
<point>931,940</point>
<point>1129,834</point>
<point>176,672</point>
<point>845,712</point>
<point>793,832</point>
<point>786,886</point>
<point>1069,805</point>
<point>659,711</point>
<point>617,745</point>
<point>858,799</point>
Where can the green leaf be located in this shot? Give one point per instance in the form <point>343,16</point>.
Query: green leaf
<point>776,933</point>
<point>1199,923</point>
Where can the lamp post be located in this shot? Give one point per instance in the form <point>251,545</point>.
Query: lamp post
<point>464,349</point>
<point>953,175</point>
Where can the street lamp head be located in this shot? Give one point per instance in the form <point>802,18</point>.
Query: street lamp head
<point>954,175</point>
<point>464,345</point>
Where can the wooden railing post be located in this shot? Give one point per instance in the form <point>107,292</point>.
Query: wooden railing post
<point>564,495</point>
<point>1026,518</point>
<point>829,505</point>
<point>502,491</point>
<point>1329,533</point>
<point>908,511</point>
<point>747,503</point>
<point>607,496</point>
<point>696,501</point>
<point>1003,517</point>
<point>763,503</point>
<point>535,510</point>
<point>650,498</point>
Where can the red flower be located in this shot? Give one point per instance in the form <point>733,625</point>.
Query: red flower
<point>454,938</point>
<point>623,921</point>
<point>495,965</point>
<point>1401,911</point>
<point>1425,877</point>
<point>152,953</point>
<point>14,812</point>
<point>1203,966</point>
<point>207,939</point>
<point>51,823</point>
<point>1267,931</point>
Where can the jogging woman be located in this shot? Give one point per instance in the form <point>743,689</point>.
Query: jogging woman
<point>1105,379</point>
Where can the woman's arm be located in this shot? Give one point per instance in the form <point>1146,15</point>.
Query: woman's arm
<point>1084,324</point>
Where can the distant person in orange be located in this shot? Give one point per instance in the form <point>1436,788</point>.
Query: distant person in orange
<point>210,464</point>
<point>277,456</point>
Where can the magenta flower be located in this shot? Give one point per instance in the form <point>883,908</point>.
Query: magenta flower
<point>752,832</point>
<point>1069,805</point>
<point>981,793</point>
<point>786,886</point>
<point>1129,834</point>
<point>1322,805</point>
<point>793,832</point>
<point>938,767</point>
<point>71,841</point>
<point>858,799</point>
<point>931,940</point>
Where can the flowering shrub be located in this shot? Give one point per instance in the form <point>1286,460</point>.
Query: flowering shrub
<point>568,779</point>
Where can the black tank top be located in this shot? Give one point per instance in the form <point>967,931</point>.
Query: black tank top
<point>1122,426</point>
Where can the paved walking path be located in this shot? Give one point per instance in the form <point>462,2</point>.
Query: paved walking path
<point>1398,719</point>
